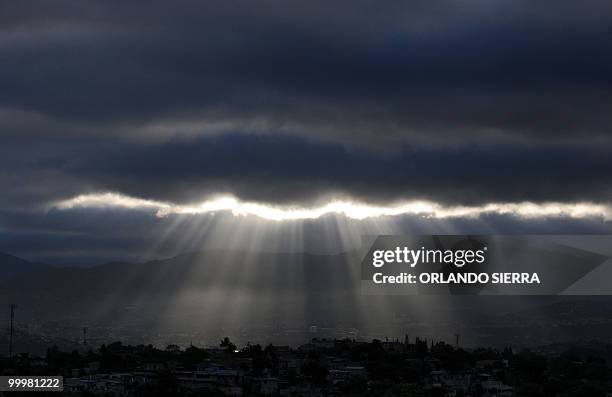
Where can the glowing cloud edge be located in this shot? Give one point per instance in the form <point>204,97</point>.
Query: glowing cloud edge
<point>352,210</point>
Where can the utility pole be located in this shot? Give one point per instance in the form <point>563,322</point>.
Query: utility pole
<point>12,306</point>
<point>457,339</point>
<point>85,336</point>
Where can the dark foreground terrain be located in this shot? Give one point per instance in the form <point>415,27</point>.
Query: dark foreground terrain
<point>325,367</point>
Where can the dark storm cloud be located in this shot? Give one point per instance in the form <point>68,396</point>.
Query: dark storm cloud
<point>417,72</point>
<point>275,169</point>
<point>454,101</point>
<point>294,170</point>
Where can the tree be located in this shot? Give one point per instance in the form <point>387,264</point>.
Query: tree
<point>228,345</point>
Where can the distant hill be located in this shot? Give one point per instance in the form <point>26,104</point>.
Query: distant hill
<point>50,292</point>
<point>25,342</point>
<point>253,271</point>
<point>224,290</point>
<point>12,266</point>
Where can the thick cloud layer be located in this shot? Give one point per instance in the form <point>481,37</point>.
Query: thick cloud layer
<point>294,171</point>
<point>359,73</point>
<point>458,102</point>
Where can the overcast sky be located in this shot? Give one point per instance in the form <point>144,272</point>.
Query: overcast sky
<point>294,103</point>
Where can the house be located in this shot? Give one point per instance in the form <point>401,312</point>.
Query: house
<point>266,386</point>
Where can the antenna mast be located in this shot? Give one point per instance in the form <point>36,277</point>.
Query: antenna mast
<point>12,307</point>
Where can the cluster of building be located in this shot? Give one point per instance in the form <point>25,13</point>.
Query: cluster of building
<point>234,374</point>
<point>465,384</point>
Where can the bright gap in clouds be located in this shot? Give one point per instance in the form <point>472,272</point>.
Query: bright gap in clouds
<point>353,210</point>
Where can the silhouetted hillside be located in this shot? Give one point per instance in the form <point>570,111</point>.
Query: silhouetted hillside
<point>233,291</point>
<point>51,291</point>
<point>12,266</point>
